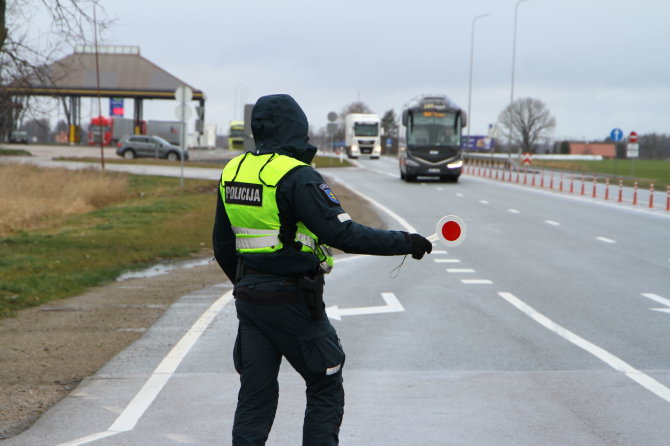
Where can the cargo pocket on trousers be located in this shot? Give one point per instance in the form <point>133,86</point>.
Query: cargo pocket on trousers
<point>237,353</point>
<point>323,352</point>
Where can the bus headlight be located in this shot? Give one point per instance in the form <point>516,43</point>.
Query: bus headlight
<point>455,165</point>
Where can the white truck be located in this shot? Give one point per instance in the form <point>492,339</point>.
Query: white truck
<point>362,135</point>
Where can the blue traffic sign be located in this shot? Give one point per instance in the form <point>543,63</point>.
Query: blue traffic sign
<point>616,135</point>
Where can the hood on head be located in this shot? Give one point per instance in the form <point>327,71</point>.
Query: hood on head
<point>279,125</point>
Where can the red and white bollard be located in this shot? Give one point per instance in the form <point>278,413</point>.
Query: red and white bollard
<point>525,175</point>
<point>583,186</point>
<point>667,201</point>
<point>551,181</point>
<point>651,195</point>
<point>607,188</point>
<point>560,182</point>
<point>634,193</point>
<point>542,179</point>
<point>595,181</point>
<point>620,191</point>
<point>572,183</point>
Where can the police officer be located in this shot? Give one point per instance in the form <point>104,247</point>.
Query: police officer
<point>275,218</point>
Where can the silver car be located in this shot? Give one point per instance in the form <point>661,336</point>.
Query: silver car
<point>143,146</point>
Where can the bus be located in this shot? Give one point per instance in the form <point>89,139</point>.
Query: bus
<point>433,128</point>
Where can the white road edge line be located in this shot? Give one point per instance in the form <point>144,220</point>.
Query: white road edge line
<point>160,376</point>
<point>398,218</point>
<point>617,364</point>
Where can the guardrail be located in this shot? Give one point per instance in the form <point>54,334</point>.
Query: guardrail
<point>507,169</point>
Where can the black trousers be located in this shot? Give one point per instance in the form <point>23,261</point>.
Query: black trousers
<point>265,334</point>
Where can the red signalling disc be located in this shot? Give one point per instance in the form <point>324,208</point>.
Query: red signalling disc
<point>451,230</point>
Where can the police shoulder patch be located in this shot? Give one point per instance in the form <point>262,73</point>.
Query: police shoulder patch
<point>328,193</point>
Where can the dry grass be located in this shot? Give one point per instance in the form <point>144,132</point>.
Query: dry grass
<point>29,194</point>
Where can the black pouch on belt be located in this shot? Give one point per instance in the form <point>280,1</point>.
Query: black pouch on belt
<point>312,292</point>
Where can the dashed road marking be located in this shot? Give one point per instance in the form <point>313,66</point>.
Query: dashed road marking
<point>660,300</point>
<point>476,281</point>
<point>460,270</point>
<point>446,261</point>
<point>552,222</point>
<point>514,211</point>
<point>438,251</point>
<point>483,201</point>
<point>458,194</point>
<point>605,239</point>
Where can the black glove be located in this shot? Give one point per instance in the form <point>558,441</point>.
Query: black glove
<point>420,246</point>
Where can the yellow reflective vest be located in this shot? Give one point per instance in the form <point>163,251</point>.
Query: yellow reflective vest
<point>249,191</point>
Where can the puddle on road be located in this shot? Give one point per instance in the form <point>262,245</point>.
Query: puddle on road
<point>162,268</point>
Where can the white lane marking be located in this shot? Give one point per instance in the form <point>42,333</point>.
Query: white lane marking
<point>458,194</point>
<point>552,222</point>
<point>393,305</point>
<point>660,300</point>
<point>446,261</point>
<point>438,251</point>
<point>440,188</point>
<point>514,211</point>
<point>160,376</point>
<point>483,201</point>
<point>617,364</point>
<point>605,239</point>
<point>460,270</point>
<point>476,281</point>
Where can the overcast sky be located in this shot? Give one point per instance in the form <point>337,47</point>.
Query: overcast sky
<point>597,64</point>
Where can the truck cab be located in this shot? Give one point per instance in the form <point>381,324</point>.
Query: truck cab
<point>362,135</point>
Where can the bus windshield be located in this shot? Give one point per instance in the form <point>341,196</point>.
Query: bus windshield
<point>361,129</point>
<point>432,128</point>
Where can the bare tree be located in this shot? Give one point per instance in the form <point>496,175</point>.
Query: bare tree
<point>22,56</point>
<point>527,121</point>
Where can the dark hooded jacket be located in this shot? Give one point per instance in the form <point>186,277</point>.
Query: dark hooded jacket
<point>280,126</point>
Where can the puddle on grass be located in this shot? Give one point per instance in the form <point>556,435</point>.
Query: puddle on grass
<point>162,268</point>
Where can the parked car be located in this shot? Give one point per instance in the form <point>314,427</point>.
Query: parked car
<point>143,146</point>
<point>19,137</point>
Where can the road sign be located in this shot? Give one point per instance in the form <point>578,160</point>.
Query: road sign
<point>332,116</point>
<point>183,112</point>
<point>527,159</point>
<point>183,94</point>
<point>450,230</point>
<point>616,135</point>
<point>632,150</point>
<point>632,137</point>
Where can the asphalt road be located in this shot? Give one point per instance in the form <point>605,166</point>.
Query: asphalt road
<point>547,326</point>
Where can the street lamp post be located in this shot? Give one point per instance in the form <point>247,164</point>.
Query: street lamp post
<point>472,53</point>
<point>516,18</point>
<point>97,76</point>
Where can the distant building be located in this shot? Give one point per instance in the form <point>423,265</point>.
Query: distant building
<point>605,149</point>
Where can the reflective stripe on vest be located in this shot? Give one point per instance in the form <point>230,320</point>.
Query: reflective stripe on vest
<point>265,238</point>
